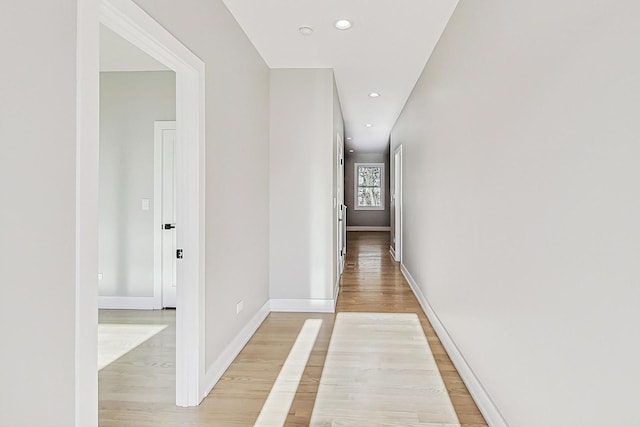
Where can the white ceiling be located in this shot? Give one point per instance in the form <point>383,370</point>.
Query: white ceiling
<point>117,54</point>
<point>385,51</point>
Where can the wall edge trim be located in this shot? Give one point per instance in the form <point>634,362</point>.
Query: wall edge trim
<point>127,303</point>
<point>303,305</point>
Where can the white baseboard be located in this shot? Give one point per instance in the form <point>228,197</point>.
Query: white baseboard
<point>214,373</point>
<point>488,408</point>
<point>393,253</point>
<point>367,228</point>
<point>128,303</point>
<point>304,305</point>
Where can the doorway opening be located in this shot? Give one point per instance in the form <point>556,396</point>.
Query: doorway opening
<point>135,92</point>
<point>130,22</point>
<point>134,341</point>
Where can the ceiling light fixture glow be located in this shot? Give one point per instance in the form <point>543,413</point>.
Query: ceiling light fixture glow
<point>374,94</point>
<point>351,151</point>
<point>349,138</point>
<point>305,31</point>
<point>368,125</point>
<point>343,24</point>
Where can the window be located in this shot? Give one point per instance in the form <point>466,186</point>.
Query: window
<point>369,186</point>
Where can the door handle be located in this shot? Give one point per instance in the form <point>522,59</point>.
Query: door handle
<point>169,226</point>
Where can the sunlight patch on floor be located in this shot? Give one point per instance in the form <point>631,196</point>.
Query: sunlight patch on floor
<point>380,371</point>
<point>116,340</point>
<point>276,408</point>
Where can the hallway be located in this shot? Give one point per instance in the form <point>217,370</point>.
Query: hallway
<point>133,393</point>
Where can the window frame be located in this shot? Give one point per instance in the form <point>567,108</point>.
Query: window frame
<point>356,166</point>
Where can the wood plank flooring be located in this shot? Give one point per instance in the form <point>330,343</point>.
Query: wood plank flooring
<point>372,282</point>
<point>138,389</point>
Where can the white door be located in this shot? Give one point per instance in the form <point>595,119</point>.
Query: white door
<point>342,217</point>
<point>168,208</point>
<point>398,204</point>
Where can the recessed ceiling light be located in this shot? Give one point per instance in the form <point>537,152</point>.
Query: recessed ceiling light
<point>351,151</point>
<point>343,24</point>
<point>349,138</point>
<point>368,125</point>
<point>374,94</point>
<point>305,31</point>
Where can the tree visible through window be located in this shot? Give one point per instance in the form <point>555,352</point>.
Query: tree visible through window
<point>369,189</point>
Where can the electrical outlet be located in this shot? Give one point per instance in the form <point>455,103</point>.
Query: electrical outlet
<point>239,307</point>
<point>99,276</point>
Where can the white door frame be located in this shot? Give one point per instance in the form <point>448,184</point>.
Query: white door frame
<point>158,290</point>
<point>397,184</point>
<point>340,217</point>
<point>132,23</point>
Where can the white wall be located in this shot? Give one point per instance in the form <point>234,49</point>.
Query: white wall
<point>37,207</point>
<point>302,154</point>
<point>130,102</point>
<point>237,163</point>
<point>521,208</point>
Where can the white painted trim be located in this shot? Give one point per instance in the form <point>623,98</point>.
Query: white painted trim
<point>127,303</point>
<point>393,253</point>
<point>488,408</point>
<point>367,228</point>
<point>340,209</point>
<point>133,24</point>
<point>86,212</point>
<point>397,197</point>
<point>336,291</point>
<point>303,305</point>
<point>158,127</point>
<point>222,363</point>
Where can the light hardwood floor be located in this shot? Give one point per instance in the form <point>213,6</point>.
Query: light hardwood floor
<point>138,389</point>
